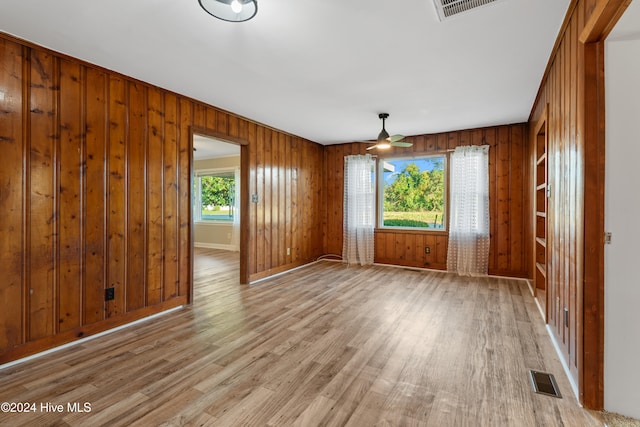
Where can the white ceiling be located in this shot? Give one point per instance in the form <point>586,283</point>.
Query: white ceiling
<point>319,69</point>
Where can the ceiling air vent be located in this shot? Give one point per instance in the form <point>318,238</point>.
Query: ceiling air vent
<point>448,8</point>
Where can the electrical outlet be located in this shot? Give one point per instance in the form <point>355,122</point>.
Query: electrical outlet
<point>109,294</point>
<point>427,249</point>
<point>288,251</point>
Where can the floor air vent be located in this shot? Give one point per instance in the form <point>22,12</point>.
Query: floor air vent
<point>544,383</point>
<point>448,8</point>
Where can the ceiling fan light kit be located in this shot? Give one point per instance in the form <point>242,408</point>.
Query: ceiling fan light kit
<point>385,141</point>
<point>230,10</point>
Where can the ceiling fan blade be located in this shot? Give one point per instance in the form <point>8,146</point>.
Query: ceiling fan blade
<point>395,138</point>
<point>372,147</point>
<point>401,144</point>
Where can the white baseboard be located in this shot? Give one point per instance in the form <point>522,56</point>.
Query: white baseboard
<point>567,371</point>
<point>215,246</point>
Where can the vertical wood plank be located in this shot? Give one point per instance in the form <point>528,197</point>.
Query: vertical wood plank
<point>253,190</point>
<point>136,197</point>
<point>222,122</point>
<point>580,202</point>
<point>275,202</point>
<point>288,208</point>
<point>517,213</point>
<point>260,206</point>
<point>117,194</point>
<point>155,191</point>
<point>419,255</point>
<point>441,250</point>
<point>70,196</point>
<point>400,249</point>
<point>442,142</point>
<point>42,214</point>
<point>267,198</point>
<point>185,153</point>
<point>282,200</point>
<point>210,118</point>
<point>200,118</point>
<point>95,184</point>
<point>503,191</point>
<point>431,143</point>
<point>295,236</point>
<point>170,225</point>
<point>12,194</point>
<point>574,213</point>
<point>304,201</point>
<point>234,126</point>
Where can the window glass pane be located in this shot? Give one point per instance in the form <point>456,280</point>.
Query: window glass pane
<point>217,197</point>
<point>414,192</point>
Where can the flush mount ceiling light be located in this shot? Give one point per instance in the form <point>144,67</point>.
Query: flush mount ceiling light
<point>231,10</point>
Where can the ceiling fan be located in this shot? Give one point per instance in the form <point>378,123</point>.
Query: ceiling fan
<point>385,141</point>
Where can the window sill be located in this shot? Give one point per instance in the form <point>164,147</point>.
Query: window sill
<point>213,222</point>
<point>409,231</point>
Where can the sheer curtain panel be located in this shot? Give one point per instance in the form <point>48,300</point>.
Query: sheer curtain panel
<point>359,200</point>
<point>468,252</point>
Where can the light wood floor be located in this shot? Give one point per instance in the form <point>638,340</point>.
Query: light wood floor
<point>323,345</point>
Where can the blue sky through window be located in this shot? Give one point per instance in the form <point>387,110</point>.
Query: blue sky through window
<point>425,164</point>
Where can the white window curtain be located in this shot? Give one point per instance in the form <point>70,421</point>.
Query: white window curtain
<point>468,252</point>
<point>359,214</point>
<point>235,236</point>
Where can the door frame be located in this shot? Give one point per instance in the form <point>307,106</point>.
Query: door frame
<point>244,199</point>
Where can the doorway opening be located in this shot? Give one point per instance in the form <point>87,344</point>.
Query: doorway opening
<point>216,202</point>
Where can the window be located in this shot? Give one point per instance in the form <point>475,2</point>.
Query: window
<point>412,192</point>
<point>214,195</point>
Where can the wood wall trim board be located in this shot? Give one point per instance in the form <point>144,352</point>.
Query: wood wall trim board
<point>46,343</point>
<point>214,133</point>
<point>245,232</point>
<point>592,354</point>
<point>602,20</point>
<point>185,215</point>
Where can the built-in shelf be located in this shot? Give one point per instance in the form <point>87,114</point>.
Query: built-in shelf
<point>542,158</point>
<point>542,268</point>
<point>540,193</point>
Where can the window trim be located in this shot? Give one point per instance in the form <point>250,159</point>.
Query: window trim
<point>380,193</point>
<point>197,194</point>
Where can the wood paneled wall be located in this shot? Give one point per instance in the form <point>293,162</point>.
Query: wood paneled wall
<point>95,193</point>
<point>566,179</point>
<point>508,194</point>
<point>572,92</point>
<point>286,222</point>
